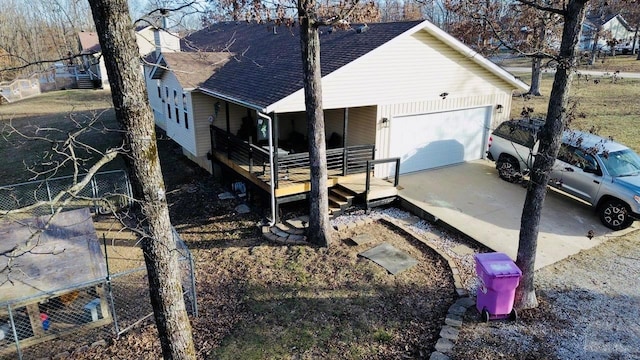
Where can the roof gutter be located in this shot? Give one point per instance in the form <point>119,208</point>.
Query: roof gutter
<point>272,181</point>
<point>236,101</point>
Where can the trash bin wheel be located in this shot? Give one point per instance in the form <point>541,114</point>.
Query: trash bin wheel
<point>513,315</point>
<point>485,315</point>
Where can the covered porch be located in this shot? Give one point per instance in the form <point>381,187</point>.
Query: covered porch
<point>280,165</point>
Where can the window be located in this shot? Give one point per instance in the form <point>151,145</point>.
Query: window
<point>184,101</point>
<point>186,120</point>
<point>166,93</point>
<point>175,98</point>
<point>160,93</point>
<point>177,115</point>
<point>169,110</point>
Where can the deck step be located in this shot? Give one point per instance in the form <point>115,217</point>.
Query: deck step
<point>342,193</point>
<point>337,202</point>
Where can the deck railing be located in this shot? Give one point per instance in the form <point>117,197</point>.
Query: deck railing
<point>340,161</point>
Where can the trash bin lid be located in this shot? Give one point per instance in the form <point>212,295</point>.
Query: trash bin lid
<point>497,265</point>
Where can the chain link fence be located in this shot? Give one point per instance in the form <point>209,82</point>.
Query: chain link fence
<point>65,320</point>
<point>109,190</point>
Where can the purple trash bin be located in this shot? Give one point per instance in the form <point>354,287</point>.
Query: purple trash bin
<point>499,277</point>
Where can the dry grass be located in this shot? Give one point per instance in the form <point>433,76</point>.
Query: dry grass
<point>307,303</point>
<point>53,115</point>
<point>610,107</point>
<point>622,63</point>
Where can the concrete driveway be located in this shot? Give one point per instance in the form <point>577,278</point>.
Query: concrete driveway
<point>471,198</point>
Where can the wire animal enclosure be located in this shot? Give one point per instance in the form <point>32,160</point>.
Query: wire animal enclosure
<point>57,305</point>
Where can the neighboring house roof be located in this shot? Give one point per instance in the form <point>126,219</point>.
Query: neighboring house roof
<point>267,66</point>
<point>89,43</point>
<point>595,21</point>
<point>192,68</point>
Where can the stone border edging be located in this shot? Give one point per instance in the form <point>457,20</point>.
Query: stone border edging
<point>453,321</point>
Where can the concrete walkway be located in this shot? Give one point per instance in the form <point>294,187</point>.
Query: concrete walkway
<point>472,199</point>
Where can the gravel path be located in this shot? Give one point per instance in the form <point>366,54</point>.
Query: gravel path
<point>590,309</point>
<point>589,305</point>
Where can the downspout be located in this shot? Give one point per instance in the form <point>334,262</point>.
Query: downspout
<point>272,183</point>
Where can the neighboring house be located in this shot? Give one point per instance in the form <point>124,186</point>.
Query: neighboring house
<point>148,38</point>
<point>612,27</point>
<point>404,90</point>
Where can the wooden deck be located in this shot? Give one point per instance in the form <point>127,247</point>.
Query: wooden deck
<point>296,180</point>
<point>378,189</point>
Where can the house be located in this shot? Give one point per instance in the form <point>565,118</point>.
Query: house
<point>148,38</point>
<point>403,96</point>
<point>612,27</point>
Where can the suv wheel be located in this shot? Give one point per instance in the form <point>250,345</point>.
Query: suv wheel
<point>508,169</point>
<point>614,214</point>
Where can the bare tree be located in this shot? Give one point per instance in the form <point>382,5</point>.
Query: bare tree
<point>117,40</point>
<point>573,14</point>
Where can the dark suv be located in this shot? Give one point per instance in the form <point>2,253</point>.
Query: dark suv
<point>599,171</point>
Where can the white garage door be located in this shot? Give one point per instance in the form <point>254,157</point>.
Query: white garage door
<point>430,140</point>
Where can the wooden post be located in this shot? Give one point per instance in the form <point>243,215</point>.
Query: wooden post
<point>274,132</point>
<point>34,317</point>
<point>345,127</point>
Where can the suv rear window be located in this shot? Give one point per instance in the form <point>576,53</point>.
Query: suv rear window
<point>519,132</point>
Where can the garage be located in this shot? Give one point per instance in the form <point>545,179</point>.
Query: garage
<point>426,141</point>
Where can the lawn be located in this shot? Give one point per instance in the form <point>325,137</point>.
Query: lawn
<point>47,120</point>
<point>622,63</point>
<point>609,107</point>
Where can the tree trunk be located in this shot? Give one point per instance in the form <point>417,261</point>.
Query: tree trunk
<point>122,59</point>
<point>550,140</point>
<point>536,76</point>
<point>636,42</point>
<point>319,231</point>
<point>595,48</point>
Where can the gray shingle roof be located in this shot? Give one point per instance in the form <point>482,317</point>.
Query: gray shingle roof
<point>267,64</point>
<point>193,68</point>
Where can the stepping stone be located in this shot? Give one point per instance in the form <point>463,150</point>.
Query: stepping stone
<point>283,227</point>
<point>463,250</point>
<point>279,232</point>
<point>297,238</point>
<point>226,196</point>
<point>390,258</point>
<point>242,209</point>
<point>362,239</point>
<point>298,224</point>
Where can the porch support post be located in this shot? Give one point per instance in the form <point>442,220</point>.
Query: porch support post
<point>274,136</point>
<point>226,115</point>
<point>345,126</point>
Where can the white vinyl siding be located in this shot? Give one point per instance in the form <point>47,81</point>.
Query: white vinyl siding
<point>175,127</point>
<point>202,108</point>
<point>155,99</point>
<point>412,68</point>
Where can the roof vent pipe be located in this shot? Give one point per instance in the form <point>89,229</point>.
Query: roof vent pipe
<point>362,29</point>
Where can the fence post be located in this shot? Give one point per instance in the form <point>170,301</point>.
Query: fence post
<point>94,193</point>
<point>46,182</point>
<point>15,332</point>
<point>194,298</point>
